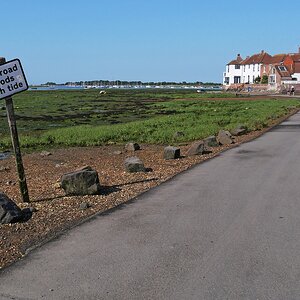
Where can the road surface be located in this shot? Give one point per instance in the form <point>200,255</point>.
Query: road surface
<point>226,229</point>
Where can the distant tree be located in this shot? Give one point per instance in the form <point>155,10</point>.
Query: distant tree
<point>264,79</point>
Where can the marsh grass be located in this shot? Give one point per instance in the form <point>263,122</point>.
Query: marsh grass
<point>142,116</point>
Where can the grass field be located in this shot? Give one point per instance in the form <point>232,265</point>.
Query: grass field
<point>83,117</point>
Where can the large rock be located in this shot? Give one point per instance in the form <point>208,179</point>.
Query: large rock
<point>132,147</point>
<point>224,137</point>
<point>239,130</point>
<point>197,148</point>
<point>211,141</point>
<point>84,181</point>
<point>134,164</point>
<point>9,211</point>
<point>171,152</point>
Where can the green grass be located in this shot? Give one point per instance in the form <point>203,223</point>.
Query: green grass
<point>83,118</point>
<point>42,110</point>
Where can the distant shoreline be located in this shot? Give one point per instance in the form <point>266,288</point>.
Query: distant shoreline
<point>80,87</point>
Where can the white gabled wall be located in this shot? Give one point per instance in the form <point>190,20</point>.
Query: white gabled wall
<point>232,72</point>
<point>250,72</point>
<point>247,73</point>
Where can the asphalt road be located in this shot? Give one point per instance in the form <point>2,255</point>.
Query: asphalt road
<point>226,229</point>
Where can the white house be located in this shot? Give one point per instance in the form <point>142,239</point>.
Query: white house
<point>233,73</point>
<point>247,70</point>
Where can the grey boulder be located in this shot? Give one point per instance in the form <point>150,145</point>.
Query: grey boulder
<point>132,147</point>
<point>84,181</point>
<point>9,211</point>
<point>134,164</point>
<point>211,141</point>
<point>197,148</point>
<point>224,137</point>
<point>239,130</point>
<point>171,152</point>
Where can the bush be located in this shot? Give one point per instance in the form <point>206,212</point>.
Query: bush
<point>257,79</point>
<point>264,79</point>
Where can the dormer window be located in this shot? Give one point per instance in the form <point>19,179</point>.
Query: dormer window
<point>282,68</point>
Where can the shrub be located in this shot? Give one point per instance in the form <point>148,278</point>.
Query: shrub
<point>264,79</point>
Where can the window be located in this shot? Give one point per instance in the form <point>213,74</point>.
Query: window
<point>282,68</point>
<point>272,79</point>
<point>244,68</point>
<point>226,80</point>
<point>253,67</point>
<point>237,79</point>
<point>258,68</point>
<point>237,66</point>
<point>228,69</point>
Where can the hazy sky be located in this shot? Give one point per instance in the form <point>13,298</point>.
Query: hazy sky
<point>157,40</point>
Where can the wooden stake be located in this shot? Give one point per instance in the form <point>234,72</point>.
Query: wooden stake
<point>16,145</point>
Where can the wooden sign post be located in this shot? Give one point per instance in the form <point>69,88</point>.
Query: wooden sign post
<point>12,82</point>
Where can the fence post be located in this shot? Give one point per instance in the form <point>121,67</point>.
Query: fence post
<point>16,145</point>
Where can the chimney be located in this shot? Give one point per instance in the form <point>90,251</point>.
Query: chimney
<point>262,51</point>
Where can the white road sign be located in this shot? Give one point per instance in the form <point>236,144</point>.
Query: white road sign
<point>12,79</point>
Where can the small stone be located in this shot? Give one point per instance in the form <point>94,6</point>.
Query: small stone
<point>134,164</point>
<point>171,152</point>
<point>211,141</point>
<point>224,137</point>
<point>45,153</point>
<point>118,152</point>
<point>32,209</point>
<point>57,185</point>
<point>197,148</point>
<point>84,206</point>
<point>3,169</point>
<point>10,182</point>
<point>132,147</point>
<point>178,134</point>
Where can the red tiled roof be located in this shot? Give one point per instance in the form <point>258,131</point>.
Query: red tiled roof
<point>236,61</point>
<point>262,57</point>
<point>278,58</point>
<point>283,71</point>
<point>295,57</point>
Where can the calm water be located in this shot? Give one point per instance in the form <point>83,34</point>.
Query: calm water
<point>57,87</point>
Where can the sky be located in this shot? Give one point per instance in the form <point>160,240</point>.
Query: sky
<point>157,40</point>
